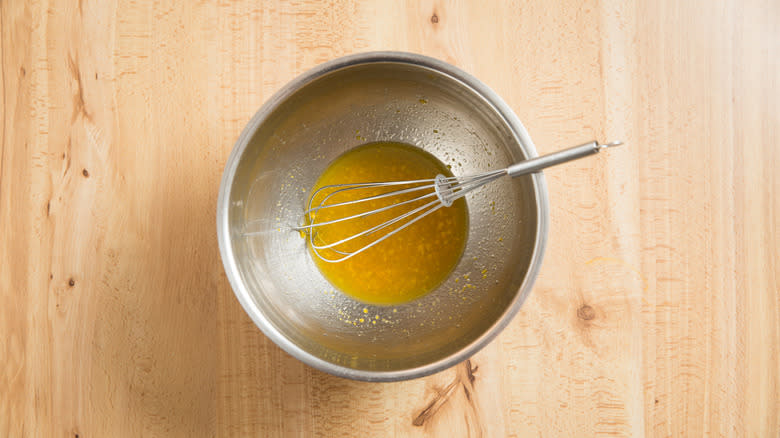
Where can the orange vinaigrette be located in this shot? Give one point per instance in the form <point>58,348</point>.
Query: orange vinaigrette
<point>408,264</point>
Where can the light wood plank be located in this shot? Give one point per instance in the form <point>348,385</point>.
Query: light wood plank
<point>656,312</point>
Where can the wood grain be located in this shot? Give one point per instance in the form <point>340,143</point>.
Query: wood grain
<point>656,312</point>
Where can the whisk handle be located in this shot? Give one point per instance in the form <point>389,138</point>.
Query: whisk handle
<point>545,161</point>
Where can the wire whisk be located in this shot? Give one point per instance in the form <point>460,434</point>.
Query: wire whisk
<point>410,201</point>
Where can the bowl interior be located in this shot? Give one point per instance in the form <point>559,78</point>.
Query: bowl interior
<point>298,136</point>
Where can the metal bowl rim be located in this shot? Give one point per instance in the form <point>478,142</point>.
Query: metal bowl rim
<point>223,233</point>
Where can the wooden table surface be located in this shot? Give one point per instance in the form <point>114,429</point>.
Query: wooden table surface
<point>656,311</point>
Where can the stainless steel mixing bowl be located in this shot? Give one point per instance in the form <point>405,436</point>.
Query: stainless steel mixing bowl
<point>381,96</point>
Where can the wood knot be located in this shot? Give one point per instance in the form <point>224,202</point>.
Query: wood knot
<point>434,18</point>
<point>71,282</point>
<point>586,312</point>
<point>85,173</point>
<point>23,71</point>
<point>470,372</point>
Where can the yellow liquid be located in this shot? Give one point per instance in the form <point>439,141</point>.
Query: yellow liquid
<point>411,262</point>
